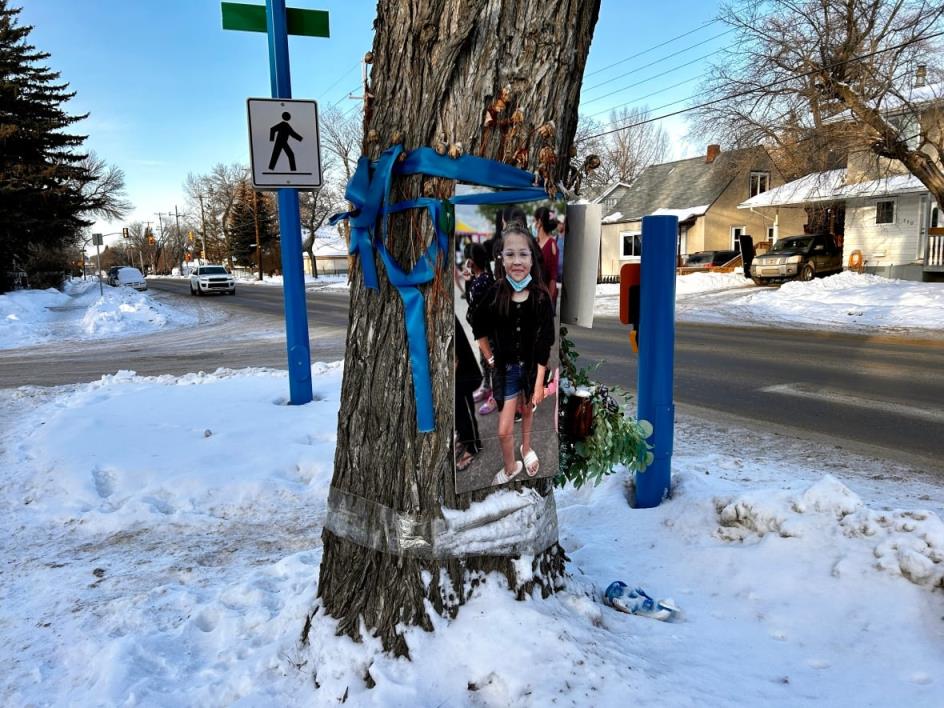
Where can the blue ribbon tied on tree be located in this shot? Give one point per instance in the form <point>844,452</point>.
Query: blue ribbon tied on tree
<point>369,192</point>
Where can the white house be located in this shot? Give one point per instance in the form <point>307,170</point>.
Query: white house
<point>892,225</point>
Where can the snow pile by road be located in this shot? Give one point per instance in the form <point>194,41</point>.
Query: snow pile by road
<point>853,300</point>
<point>847,301</point>
<point>160,539</point>
<point>30,317</point>
<point>24,314</point>
<point>332,282</point>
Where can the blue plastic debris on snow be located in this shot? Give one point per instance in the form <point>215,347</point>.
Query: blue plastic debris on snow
<point>635,601</point>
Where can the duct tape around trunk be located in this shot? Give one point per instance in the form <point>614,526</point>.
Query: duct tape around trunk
<point>507,523</point>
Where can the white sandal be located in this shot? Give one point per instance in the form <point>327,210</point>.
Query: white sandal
<point>503,477</point>
<point>531,462</point>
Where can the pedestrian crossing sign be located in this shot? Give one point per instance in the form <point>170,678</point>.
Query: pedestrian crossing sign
<point>284,144</point>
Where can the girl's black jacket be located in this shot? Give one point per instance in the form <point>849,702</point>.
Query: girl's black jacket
<point>536,336</point>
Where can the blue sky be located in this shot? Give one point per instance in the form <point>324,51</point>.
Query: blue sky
<point>166,87</point>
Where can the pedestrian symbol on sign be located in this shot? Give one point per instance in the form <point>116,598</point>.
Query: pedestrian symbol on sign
<point>283,143</point>
<point>280,133</point>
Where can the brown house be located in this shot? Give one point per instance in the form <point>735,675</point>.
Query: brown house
<point>704,193</point>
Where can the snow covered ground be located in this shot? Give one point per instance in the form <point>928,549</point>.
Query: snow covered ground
<point>163,553</point>
<point>848,301</point>
<point>78,313</point>
<point>160,542</point>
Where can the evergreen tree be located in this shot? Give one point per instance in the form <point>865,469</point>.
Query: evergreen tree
<point>248,208</point>
<point>41,173</point>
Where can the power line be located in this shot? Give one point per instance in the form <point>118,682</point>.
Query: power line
<point>347,94</point>
<point>648,95</point>
<point>739,94</point>
<point>340,78</point>
<point>655,76</point>
<point>653,48</point>
<point>658,61</point>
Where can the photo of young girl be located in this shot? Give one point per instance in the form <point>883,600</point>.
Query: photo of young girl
<point>514,329</point>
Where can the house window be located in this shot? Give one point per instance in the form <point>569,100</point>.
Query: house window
<point>736,233</point>
<point>885,212</point>
<point>935,217</point>
<point>760,182</point>
<point>771,234</point>
<point>610,202</point>
<point>632,245</point>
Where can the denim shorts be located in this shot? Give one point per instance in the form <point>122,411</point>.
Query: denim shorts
<point>513,381</point>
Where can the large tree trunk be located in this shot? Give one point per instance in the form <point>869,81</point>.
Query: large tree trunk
<point>437,66</point>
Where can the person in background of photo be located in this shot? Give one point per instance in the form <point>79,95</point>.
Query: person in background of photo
<point>479,283</point>
<point>546,227</point>
<point>561,234</point>
<point>468,377</point>
<point>514,328</point>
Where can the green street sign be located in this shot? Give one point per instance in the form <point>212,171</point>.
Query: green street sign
<point>252,18</point>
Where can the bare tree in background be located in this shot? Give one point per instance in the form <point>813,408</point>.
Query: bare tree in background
<point>103,194</point>
<point>624,153</point>
<point>316,206</point>
<point>218,189</point>
<point>341,135</point>
<point>817,80</point>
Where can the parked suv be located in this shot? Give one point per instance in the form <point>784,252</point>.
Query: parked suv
<point>211,279</point>
<point>710,259</point>
<point>799,258</point>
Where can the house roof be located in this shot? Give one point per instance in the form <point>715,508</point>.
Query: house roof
<point>608,191</point>
<point>685,186</point>
<point>831,186</point>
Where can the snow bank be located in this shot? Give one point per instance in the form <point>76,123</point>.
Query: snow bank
<point>160,539</point>
<point>25,313</point>
<point>30,317</point>
<point>846,301</point>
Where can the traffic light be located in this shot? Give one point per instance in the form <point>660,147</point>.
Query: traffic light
<point>124,232</point>
<point>190,236</point>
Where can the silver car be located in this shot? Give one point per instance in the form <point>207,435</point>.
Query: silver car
<point>130,277</point>
<point>211,279</point>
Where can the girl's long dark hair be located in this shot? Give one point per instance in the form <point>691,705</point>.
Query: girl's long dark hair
<point>536,286</point>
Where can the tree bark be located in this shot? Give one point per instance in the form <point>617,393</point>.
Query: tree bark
<point>437,67</point>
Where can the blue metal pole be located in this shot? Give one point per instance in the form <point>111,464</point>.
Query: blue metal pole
<point>293,276</point>
<point>657,354</point>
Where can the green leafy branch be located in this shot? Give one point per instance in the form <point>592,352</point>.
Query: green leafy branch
<point>616,437</point>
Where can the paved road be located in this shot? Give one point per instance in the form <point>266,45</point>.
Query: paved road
<point>878,396</point>
<point>883,396</point>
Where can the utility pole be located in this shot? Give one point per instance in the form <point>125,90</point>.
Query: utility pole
<point>203,233</point>
<point>255,221</point>
<point>161,223</point>
<point>177,217</point>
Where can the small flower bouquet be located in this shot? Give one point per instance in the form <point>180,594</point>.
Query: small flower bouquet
<point>595,433</point>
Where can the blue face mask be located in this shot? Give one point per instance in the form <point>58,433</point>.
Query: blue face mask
<point>519,285</point>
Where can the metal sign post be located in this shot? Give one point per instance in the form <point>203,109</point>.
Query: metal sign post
<point>278,22</point>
